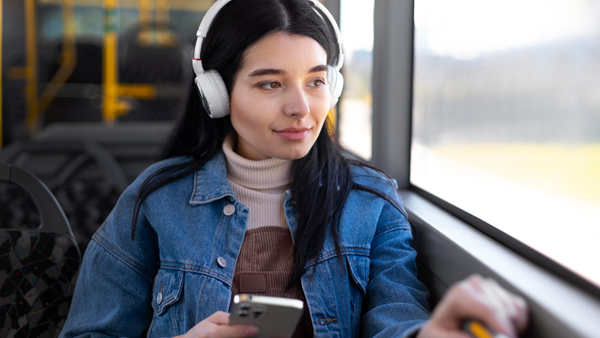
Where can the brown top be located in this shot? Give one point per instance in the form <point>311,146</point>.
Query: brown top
<point>264,267</point>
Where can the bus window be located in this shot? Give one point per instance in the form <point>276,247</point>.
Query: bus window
<point>506,121</point>
<point>356,102</point>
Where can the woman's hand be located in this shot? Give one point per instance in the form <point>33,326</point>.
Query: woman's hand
<point>216,326</point>
<point>479,299</point>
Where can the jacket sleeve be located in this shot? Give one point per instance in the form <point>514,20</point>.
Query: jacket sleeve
<point>396,301</point>
<point>113,292</point>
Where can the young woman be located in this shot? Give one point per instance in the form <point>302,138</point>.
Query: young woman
<point>262,201</point>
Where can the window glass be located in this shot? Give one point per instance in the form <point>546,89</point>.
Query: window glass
<point>506,118</point>
<point>356,102</point>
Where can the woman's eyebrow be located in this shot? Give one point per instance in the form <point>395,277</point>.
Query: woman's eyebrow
<point>273,71</point>
<point>267,71</point>
<point>319,68</point>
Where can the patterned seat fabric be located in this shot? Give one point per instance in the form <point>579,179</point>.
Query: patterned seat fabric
<point>85,203</point>
<point>17,209</point>
<point>38,271</point>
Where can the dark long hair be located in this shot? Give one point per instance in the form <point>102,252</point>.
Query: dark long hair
<point>322,179</point>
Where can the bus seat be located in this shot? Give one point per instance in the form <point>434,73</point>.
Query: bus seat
<point>84,176</point>
<point>135,145</point>
<point>38,267</point>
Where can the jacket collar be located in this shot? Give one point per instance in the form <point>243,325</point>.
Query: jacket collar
<point>211,182</point>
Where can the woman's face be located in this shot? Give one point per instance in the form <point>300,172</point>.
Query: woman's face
<point>280,100</point>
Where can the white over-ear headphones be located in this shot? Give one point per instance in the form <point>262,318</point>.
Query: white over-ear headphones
<point>211,87</point>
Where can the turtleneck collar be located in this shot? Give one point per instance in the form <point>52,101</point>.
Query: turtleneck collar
<point>266,174</point>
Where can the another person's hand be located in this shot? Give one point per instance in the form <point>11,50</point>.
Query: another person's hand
<point>216,326</point>
<point>479,299</point>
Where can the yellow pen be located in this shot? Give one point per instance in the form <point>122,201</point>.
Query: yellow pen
<point>477,330</point>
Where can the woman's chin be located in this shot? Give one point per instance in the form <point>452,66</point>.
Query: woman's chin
<point>292,153</point>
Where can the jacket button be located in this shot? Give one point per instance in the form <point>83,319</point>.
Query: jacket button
<point>221,261</point>
<point>229,209</point>
<point>159,298</point>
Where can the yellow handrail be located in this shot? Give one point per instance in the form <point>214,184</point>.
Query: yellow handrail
<point>145,16</point>
<point>111,107</point>
<point>162,11</point>
<point>181,5</point>
<point>31,68</point>
<point>68,57</point>
<point>138,91</point>
<point>145,11</point>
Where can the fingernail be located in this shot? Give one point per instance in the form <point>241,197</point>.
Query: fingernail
<point>521,302</point>
<point>251,330</point>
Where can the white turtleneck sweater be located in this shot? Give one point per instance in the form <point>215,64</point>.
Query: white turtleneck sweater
<point>260,185</point>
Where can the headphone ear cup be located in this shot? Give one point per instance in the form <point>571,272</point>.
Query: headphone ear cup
<point>336,84</point>
<point>213,94</point>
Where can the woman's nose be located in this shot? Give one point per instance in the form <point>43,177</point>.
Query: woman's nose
<point>296,104</point>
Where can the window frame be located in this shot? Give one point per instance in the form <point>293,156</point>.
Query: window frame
<point>562,303</point>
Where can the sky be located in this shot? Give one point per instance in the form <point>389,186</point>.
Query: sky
<point>357,25</point>
<point>466,29</point>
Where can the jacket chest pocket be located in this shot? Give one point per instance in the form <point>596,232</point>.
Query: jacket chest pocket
<point>358,269</point>
<point>166,292</point>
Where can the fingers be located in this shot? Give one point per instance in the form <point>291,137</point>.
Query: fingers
<point>431,331</point>
<point>219,318</point>
<point>514,306</point>
<point>483,300</point>
<point>233,331</point>
<point>506,309</point>
<point>520,318</point>
<point>488,304</point>
<point>216,326</point>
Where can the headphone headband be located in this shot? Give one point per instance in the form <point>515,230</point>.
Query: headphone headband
<point>339,61</point>
<point>216,7</point>
<point>207,20</point>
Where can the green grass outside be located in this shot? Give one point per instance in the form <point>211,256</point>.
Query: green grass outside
<point>571,171</point>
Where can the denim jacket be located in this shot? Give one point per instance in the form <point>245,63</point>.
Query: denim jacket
<point>179,268</point>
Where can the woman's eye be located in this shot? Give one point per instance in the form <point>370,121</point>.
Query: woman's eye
<point>316,83</point>
<point>270,85</point>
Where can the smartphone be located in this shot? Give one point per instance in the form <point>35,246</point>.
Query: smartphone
<point>274,316</point>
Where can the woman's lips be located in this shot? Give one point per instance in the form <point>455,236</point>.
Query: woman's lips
<point>293,134</point>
